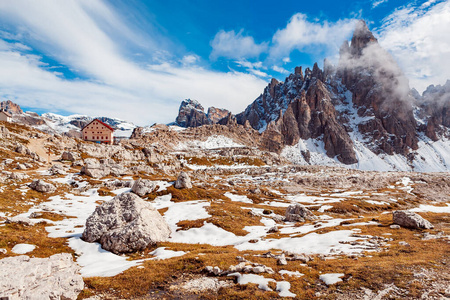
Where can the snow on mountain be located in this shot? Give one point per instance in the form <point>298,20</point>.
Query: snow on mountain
<point>63,124</point>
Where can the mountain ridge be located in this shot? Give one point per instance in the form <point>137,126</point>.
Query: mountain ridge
<point>362,105</point>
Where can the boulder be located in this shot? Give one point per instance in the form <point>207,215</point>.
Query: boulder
<point>410,219</point>
<point>55,277</point>
<point>42,186</point>
<point>142,187</point>
<point>17,176</point>
<point>70,156</point>
<point>94,169</point>
<point>57,170</point>
<point>126,224</point>
<point>298,213</point>
<point>183,181</point>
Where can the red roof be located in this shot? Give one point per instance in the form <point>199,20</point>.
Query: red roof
<point>112,129</point>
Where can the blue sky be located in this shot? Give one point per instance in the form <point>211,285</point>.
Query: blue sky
<point>137,60</point>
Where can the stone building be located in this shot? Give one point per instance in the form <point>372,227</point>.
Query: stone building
<point>99,132</point>
<point>5,116</point>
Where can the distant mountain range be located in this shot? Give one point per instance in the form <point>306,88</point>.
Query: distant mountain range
<point>360,114</point>
<point>69,125</point>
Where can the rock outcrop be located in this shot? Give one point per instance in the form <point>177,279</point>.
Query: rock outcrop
<point>101,168</point>
<point>55,277</point>
<point>42,186</point>
<point>183,181</point>
<point>380,92</point>
<point>298,213</point>
<point>409,219</point>
<point>192,114</point>
<point>142,187</point>
<point>10,107</point>
<point>70,156</point>
<point>126,224</point>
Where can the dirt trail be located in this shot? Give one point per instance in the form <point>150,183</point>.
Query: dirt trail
<point>37,146</point>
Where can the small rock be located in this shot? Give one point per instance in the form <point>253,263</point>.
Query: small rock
<point>298,213</point>
<point>258,269</point>
<point>57,169</point>
<point>43,187</point>
<point>21,167</point>
<point>183,181</point>
<point>403,243</point>
<point>216,271</point>
<point>142,187</point>
<point>35,215</point>
<point>3,251</point>
<point>395,226</point>
<point>273,229</point>
<point>70,156</point>
<point>282,260</point>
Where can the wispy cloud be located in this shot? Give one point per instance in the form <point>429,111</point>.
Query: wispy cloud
<point>234,45</point>
<point>376,3</point>
<point>417,36</point>
<point>303,35</point>
<point>89,38</point>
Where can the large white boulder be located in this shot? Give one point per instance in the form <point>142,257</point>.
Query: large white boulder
<point>55,277</point>
<point>126,224</point>
<point>410,219</point>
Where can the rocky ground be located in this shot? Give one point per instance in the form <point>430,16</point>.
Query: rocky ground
<point>205,215</point>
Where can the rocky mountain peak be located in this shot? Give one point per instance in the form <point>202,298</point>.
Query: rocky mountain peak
<point>10,107</point>
<point>192,114</point>
<point>216,114</point>
<point>362,37</point>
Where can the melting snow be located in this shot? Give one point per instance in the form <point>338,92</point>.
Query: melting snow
<point>22,248</point>
<point>331,278</point>
<point>213,142</point>
<point>283,289</point>
<point>162,253</point>
<point>291,273</point>
<point>238,198</point>
<point>261,281</point>
<point>431,208</point>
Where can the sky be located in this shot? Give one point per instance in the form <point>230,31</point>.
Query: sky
<point>137,60</point>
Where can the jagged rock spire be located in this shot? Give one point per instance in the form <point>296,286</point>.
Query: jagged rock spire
<point>362,36</point>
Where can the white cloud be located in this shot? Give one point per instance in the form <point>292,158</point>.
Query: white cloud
<point>190,59</point>
<point>236,46</point>
<point>253,68</point>
<point>280,69</point>
<point>300,34</point>
<point>117,85</point>
<point>418,38</point>
<point>376,3</point>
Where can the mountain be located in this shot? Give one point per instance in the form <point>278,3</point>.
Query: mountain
<point>360,114</point>
<point>192,114</point>
<point>69,125</point>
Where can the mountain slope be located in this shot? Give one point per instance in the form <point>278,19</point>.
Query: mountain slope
<point>360,114</point>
